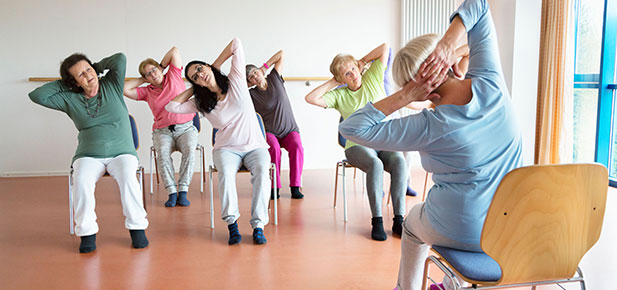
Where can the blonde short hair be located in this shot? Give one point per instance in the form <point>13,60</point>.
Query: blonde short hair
<point>408,60</point>
<point>338,62</point>
<point>148,61</point>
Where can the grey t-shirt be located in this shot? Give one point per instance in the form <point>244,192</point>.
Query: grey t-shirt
<point>274,107</point>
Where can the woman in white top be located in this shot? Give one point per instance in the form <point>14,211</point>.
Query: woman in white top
<point>225,101</point>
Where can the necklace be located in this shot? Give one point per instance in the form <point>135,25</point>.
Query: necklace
<point>96,109</point>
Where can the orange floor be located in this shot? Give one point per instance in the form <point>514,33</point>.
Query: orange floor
<point>311,248</point>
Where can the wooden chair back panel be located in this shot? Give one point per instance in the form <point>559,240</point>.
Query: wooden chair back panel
<point>543,219</point>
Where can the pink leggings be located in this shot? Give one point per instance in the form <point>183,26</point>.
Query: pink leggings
<point>293,145</point>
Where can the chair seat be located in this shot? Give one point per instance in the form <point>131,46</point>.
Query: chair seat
<point>472,265</point>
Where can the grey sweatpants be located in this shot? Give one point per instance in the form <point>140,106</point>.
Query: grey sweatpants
<point>374,162</point>
<point>227,163</point>
<point>183,139</point>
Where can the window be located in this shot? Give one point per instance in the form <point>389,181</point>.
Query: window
<point>595,124</point>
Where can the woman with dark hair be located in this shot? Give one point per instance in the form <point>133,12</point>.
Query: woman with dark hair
<point>98,111</point>
<point>170,131</point>
<point>226,103</point>
<point>469,141</point>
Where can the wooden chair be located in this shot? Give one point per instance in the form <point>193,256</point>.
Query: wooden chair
<point>242,169</point>
<point>140,174</point>
<point>541,222</point>
<point>202,158</point>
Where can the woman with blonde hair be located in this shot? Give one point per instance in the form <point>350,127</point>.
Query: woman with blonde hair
<point>362,88</point>
<point>170,131</point>
<point>469,141</point>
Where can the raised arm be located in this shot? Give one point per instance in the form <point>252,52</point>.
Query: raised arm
<point>116,64</point>
<point>315,97</point>
<point>51,95</point>
<point>173,57</point>
<point>130,88</point>
<point>444,55</point>
<point>380,52</point>
<point>224,55</point>
<point>276,61</point>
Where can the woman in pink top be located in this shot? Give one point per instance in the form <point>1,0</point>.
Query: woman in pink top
<point>170,131</point>
<point>226,103</point>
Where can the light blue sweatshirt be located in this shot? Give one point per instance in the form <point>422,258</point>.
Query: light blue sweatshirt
<point>468,148</point>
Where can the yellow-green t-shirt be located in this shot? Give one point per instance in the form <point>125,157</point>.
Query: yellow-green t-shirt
<point>347,101</point>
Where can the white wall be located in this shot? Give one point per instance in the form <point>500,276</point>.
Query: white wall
<point>518,28</point>
<point>36,35</point>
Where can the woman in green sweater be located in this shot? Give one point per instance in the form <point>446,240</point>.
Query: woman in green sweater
<point>97,108</point>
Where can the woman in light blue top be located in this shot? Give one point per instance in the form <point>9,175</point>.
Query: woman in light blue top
<point>469,141</point>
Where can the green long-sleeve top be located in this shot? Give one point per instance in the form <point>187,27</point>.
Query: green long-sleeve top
<point>109,133</point>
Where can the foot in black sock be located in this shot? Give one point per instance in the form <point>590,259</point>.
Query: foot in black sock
<point>378,233</point>
<point>234,234</point>
<point>138,239</point>
<point>171,202</point>
<point>295,192</point>
<point>397,225</point>
<point>88,244</point>
<point>182,201</point>
<point>258,236</point>
<point>272,193</point>
<point>411,192</point>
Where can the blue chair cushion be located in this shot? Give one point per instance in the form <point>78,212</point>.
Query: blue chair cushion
<point>473,265</point>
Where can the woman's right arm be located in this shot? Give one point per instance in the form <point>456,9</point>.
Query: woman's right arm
<point>173,57</point>
<point>130,88</point>
<point>51,95</point>
<point>181,103</point>
<point>315,97</point>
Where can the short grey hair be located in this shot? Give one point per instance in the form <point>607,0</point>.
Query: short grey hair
<point>249,69</point>
<point>408,60</point>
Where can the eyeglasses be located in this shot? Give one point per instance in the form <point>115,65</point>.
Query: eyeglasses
<point>151,72</point>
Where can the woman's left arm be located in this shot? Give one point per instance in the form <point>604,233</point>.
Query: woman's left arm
<point>224,55</point>
<point>181,103</point>
<point>116,64</point>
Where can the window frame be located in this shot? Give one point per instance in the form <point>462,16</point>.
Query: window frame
<point>604,82</point>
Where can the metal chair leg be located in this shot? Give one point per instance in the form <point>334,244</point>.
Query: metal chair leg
<point>71,209</point>
<point>275,200</point>
<point>211,199</point>
<point>336,182</point>
<point>201,168</point>
<point>151,173</point>
<point>344,195</point>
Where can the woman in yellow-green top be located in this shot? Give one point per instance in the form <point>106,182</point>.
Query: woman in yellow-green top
<point>362,88</point>
<point>97,108</point>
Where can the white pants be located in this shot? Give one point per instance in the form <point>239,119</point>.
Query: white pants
<point>418,235</point>
<point>227,163</point>
<point>87,171</point>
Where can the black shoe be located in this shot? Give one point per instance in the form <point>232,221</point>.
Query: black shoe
<point>377,232</point>
<point>295,192</point>
<point>397,225</point>
<point>88,244</point>
<point>272,193</point>
<point>138,239</point>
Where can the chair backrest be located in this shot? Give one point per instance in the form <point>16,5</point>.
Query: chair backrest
<point>259,120</point>
<point>197,122</point>
<point>543,219</point>
<point>341,140</point>
<point>134,131</point>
